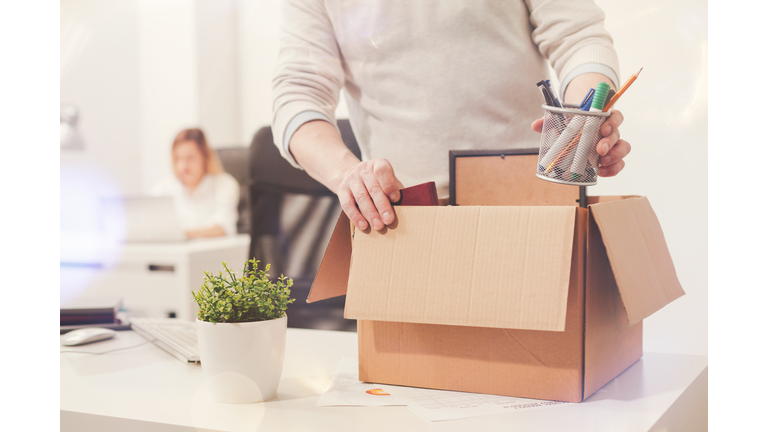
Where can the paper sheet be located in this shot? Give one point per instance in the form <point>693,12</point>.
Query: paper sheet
<point>436,405</point>
<point>346,390</point>
<point>433,405</point>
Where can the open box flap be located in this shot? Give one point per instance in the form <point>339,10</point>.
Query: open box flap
<point>638,254</point>
<point>333,274</point>
<point>504,267</point>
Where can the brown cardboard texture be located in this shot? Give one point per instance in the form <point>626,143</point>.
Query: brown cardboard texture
<point>439,265</point>
<point>333,274</point>
<point>538,301</point>
<point>638,255</point>
<point>507,181</point>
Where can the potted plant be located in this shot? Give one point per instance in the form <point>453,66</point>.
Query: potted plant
<point>241,327</point>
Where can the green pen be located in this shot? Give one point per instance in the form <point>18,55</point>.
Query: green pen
<point>579,165</point>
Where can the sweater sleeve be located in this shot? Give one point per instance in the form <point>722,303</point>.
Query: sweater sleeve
<point>309,75</point>
<point>571,35</point>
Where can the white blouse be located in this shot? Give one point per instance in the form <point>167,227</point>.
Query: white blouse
<point>214,201</point>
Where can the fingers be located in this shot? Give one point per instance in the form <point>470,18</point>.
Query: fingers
<point>385,176</point>
<point>362,194</point>
<point>366,193</point>
<point>610,132</point>
<point>613,162</point>
<point>611,170</point>
<point>349,206</point>
<point>537,125</point>
<point>611,148</point>
<point>374,202</point>
<point>606,143</point>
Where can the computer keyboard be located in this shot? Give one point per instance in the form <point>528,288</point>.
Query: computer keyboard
<point>177,337</point>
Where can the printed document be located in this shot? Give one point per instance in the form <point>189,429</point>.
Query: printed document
<point>436,405</point>
<point>433,405</point>
<point>346,390</point>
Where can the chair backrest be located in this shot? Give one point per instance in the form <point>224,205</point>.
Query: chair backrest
<point>292,215</point>
<point>235,161</point>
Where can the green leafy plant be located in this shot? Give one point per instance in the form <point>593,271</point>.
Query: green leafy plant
<point>250,297</point>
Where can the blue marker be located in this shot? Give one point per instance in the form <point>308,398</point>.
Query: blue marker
<point>587,102</point>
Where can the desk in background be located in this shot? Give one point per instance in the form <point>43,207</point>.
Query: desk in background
<point>146,389</point>
<point>154,279</point>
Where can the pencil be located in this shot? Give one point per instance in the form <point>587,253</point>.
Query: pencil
<point>621,90</point>
<point>563,153</point>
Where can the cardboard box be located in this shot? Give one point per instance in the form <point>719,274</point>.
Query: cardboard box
<point>542,302</point>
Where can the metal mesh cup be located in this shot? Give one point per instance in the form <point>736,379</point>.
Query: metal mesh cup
<point>568,150</point>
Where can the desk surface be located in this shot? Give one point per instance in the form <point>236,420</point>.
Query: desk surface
<point>146,389</point>
<point>79,246</point>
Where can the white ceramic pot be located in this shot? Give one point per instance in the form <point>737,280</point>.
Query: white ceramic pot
<point>242,362</point>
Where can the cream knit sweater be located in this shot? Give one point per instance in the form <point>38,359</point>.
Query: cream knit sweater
<point>423,77</point>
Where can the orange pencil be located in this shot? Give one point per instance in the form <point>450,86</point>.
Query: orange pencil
<point>563,153</point>
<point>621,90</point>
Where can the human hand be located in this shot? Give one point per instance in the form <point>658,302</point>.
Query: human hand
<point>611,149</point>
<point>367,191</point>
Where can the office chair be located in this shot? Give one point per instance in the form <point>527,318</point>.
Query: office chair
<point>292,219</point>
<point>235,161</point>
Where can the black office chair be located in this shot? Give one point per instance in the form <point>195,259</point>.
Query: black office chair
<point>235,161</point>
<point>292,219</point>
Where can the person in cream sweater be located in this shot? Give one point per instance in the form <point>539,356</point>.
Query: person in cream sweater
<point>425,77</point>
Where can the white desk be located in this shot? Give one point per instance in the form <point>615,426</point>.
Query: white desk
<point>152,278</point>
<point>146,389</point>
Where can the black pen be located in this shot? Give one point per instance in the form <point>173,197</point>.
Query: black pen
<point>554,97</point>
<point>550,100</point>
<point>547,95</point>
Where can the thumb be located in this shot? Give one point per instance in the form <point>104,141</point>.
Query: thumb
<point>537,125</point>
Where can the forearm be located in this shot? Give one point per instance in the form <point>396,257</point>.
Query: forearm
<point>212,231</point>
<point>319,149</point>
<point>580,85</point>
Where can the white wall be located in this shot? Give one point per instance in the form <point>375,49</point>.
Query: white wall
<point>666,122</point>
<point>99,74</point>
<point>141,70</point>
<point>259,30</point>
<point>169,92</point>
<point>188,64</point>
<point>259,26</point>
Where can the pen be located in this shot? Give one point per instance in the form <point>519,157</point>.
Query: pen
<point>562,142</point>
<point>588,133</point>
<point>563,153</point>
<point>587,100</point>
<point>554,97</point>
<point>550,100</point>
<point>622,90</point>
<point>545,91</point>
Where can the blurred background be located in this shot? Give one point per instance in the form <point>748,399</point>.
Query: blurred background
<point>136,72</point>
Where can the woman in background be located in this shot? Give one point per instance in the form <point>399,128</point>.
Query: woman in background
<point>206,196</point>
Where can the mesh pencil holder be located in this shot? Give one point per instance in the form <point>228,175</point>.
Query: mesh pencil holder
<point>568,150</point>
